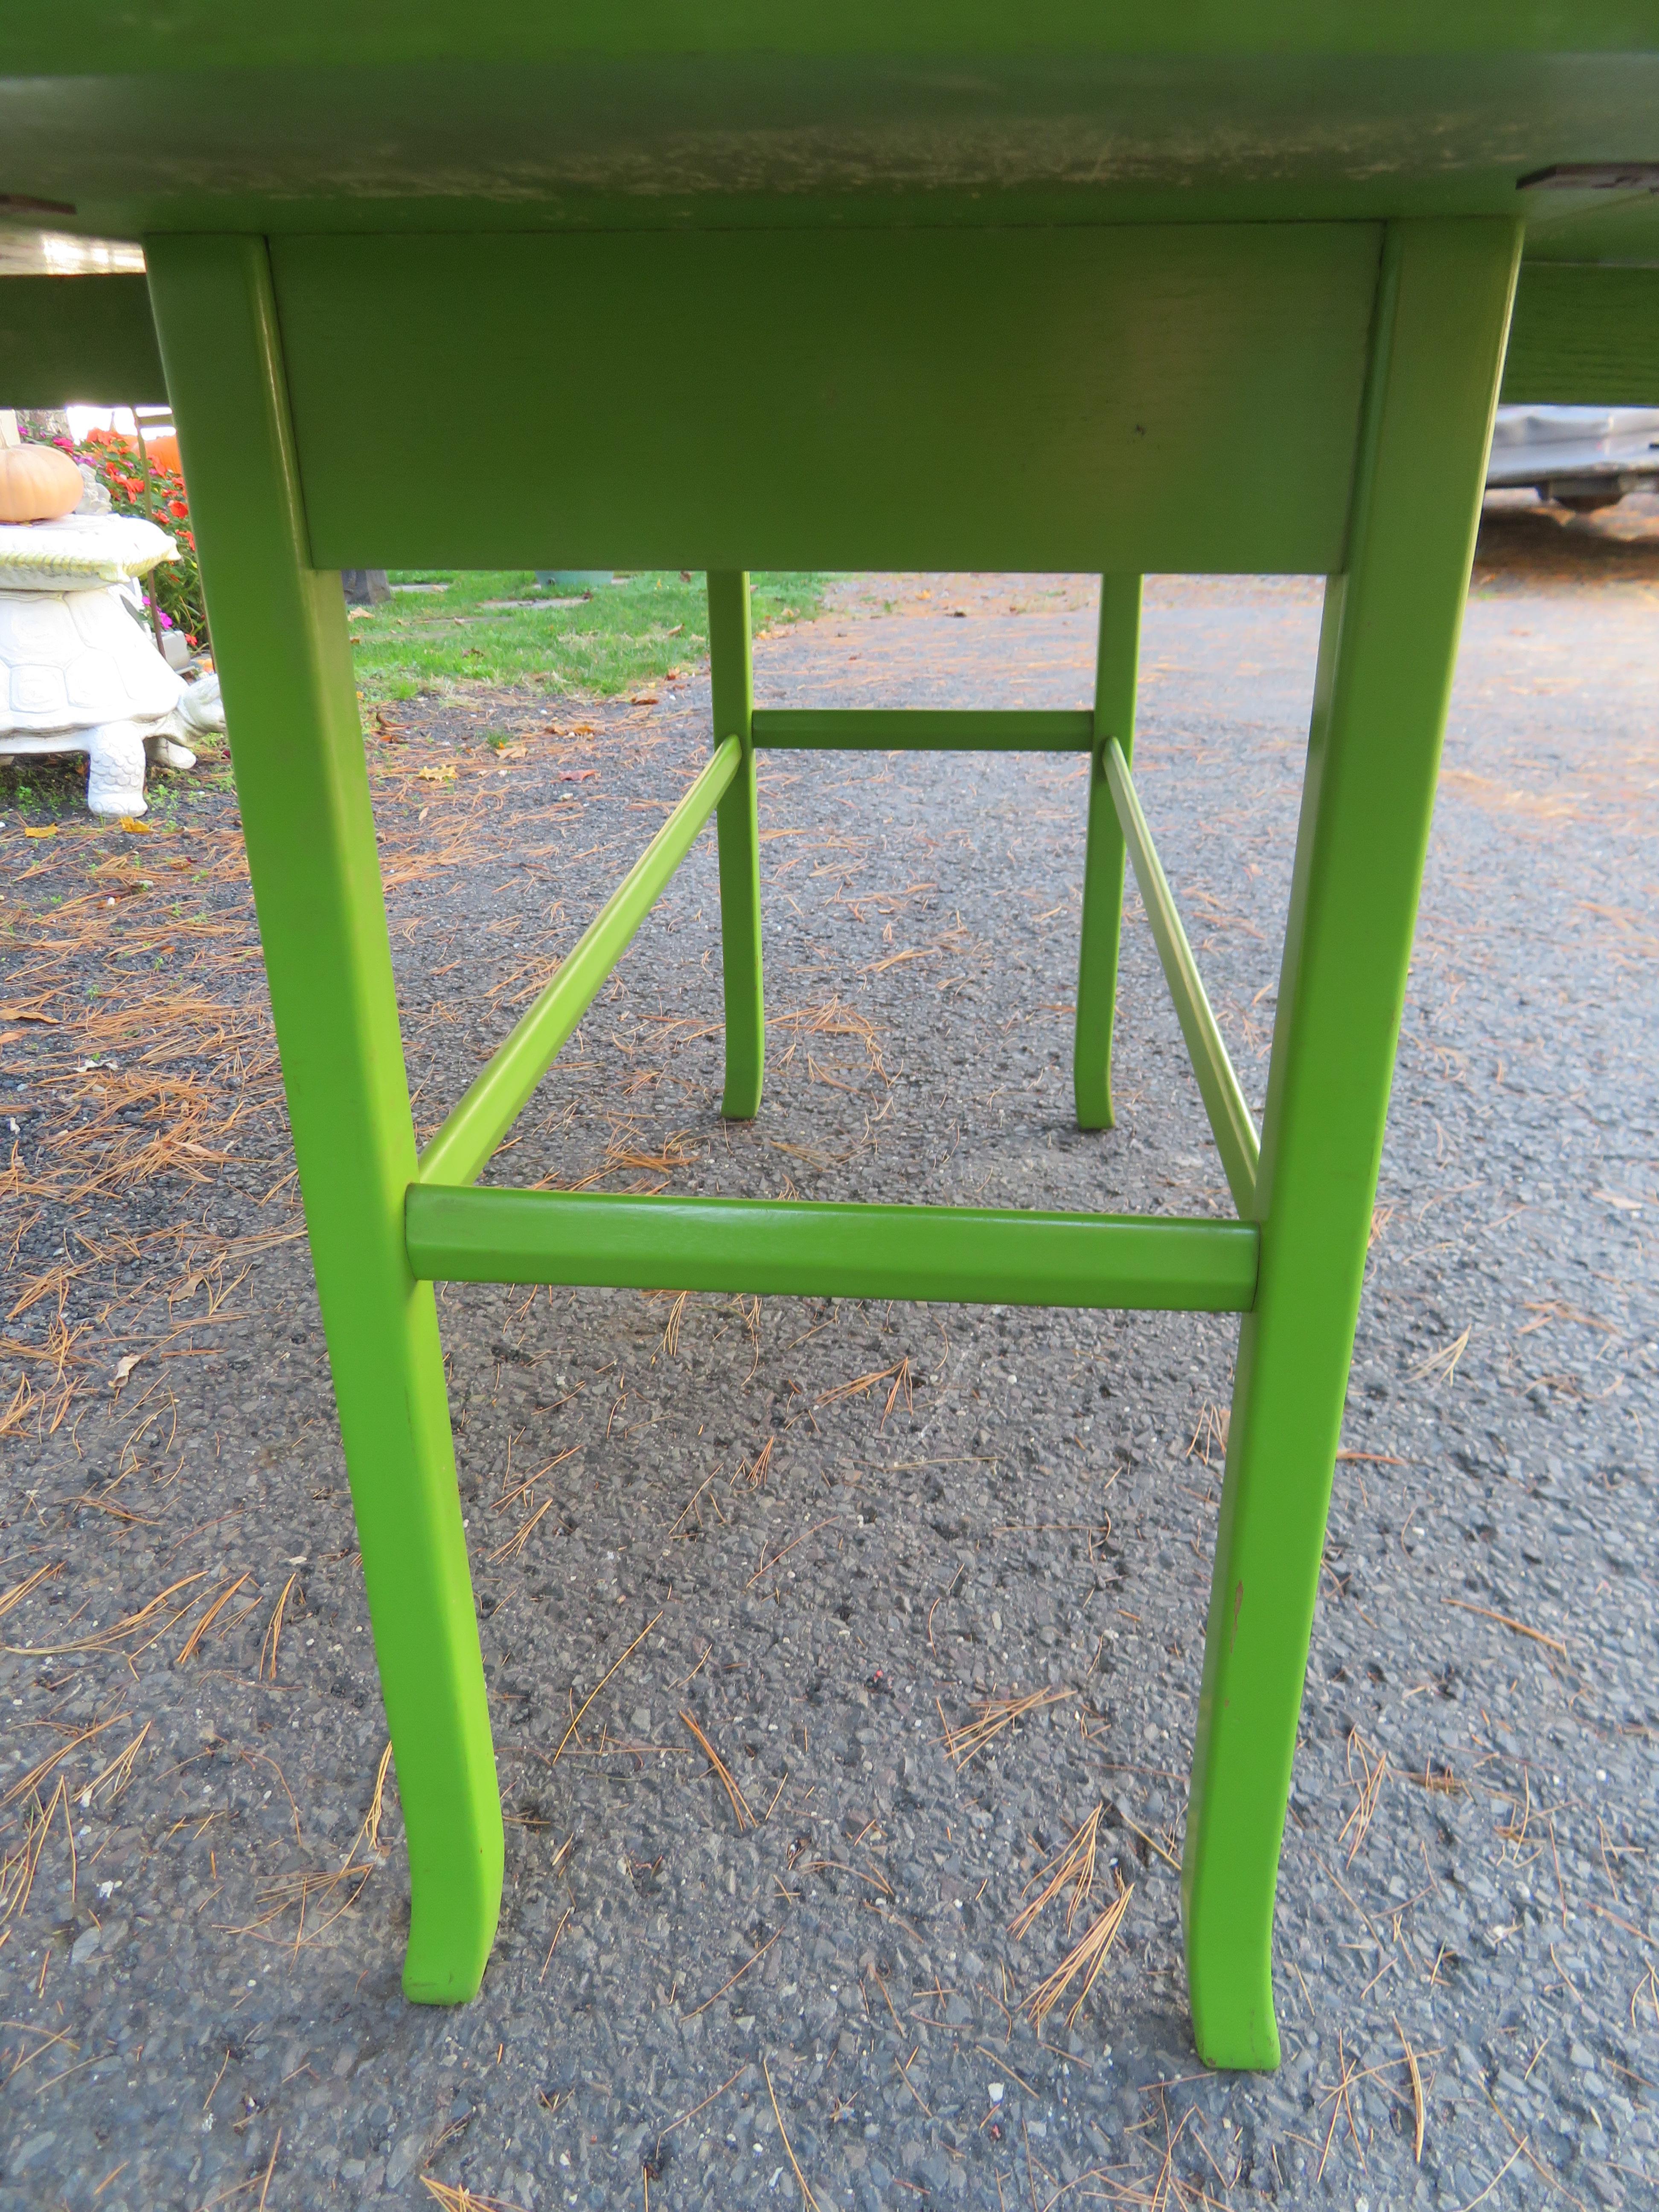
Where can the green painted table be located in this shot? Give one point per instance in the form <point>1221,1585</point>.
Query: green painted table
<point>1074,286</point>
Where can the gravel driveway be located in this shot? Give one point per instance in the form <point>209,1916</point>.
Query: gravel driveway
<point>834,1536</point>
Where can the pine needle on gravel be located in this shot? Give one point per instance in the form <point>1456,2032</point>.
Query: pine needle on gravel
<point>807,2196</point>
<point>745,1818</point>
<point>1373,1767</point>
<point>1086,1959</point>
<point>460,2198</point>
<point>1074,1867</point>
<point>963,1745</point>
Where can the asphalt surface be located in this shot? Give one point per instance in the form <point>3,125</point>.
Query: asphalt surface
<point>827,1532</point>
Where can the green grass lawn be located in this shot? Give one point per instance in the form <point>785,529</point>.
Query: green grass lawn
<point>622,636</point>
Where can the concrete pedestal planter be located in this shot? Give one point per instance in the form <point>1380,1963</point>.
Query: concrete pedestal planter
<point>77,672</point>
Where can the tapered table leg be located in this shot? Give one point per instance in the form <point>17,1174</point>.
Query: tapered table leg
<point>1387,650</point>
<point>1117,667</point>
<point>280,640</point>
<point>732,683</point>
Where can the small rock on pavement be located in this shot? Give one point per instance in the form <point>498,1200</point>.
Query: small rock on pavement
<point>405,2161</point>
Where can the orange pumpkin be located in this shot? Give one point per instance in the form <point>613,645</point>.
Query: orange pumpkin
<point>163,450</point>
<point>38,483</point>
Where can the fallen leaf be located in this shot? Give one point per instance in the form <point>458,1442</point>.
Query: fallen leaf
<point>27,1014</point>
<point>51,831</point>
<point>133,826</point>
<point>436,775</point>
<point>508,752</point>
<point>643,699</point>
<point>576,775</point>
<point>123,1367</point>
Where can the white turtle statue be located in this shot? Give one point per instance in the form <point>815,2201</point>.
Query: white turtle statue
<point>77,674</point>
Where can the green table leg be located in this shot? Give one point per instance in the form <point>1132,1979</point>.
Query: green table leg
<point>1387,651</point>
<point>1116,668</point>
<point>731,674</point>
<point>280,633</point>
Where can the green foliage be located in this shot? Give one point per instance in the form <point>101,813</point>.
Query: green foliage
<point>605,643</point>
